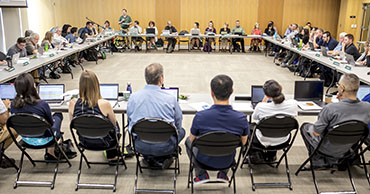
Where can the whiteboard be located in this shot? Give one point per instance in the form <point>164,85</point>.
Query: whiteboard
<point>13,3</point>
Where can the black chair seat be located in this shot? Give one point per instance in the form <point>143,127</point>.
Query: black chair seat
<point>206,167</point>
<point>96,148</point>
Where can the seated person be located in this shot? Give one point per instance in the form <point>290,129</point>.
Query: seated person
<point>153,40</point>
<point>47,43</point>
<point>32,47</point>
<point>363,58</point>
<point>349,48</point>
<point>303,36</point>
<point>256,41</point>
<point>151,101</point>
<point>138,41</point>
<point>317,40</point>
<point>238,30</point>
<point>171,41</point>
<point>106,25</point>
<point>273,92</point>
<point>87,31</point>
<point>210,29</point>
<point>329,42</point>
<point>71,37</point>
<point>224,41</point>
<point>66,29</point>
<point>91,102</point>
<point>19,47</point>
<point>28,100</point>
<point>338,48</point>
<point>27,33</point>
<point>348,108</point>
<point>58,38</point>
<point>195,41</point>
<point>220,117</point>
<point>292,32</point>
<point>5,138</point>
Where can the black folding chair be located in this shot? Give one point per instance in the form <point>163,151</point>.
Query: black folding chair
<point>351,133</point>
<point>33,126</point>
<point>94,127</point>
<point>3,156</point>
<point>183,39</point>
<point>363,161</point>
<point>276,126</point>
<point>215,144</point>
<point>154,130</point>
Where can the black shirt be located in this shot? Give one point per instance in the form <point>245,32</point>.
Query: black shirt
<point>270,32</point>
<point>352,50</point>
<point>223,30</point>
<point>171,29</point>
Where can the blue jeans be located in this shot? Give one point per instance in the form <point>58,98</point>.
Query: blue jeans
<point>155,149</point>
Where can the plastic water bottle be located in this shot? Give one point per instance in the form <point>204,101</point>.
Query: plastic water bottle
<point>275,35</point>
<point>46,46</point>
<point>129,87</point>
<point>300,43</point>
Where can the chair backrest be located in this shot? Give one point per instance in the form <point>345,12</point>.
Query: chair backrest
<point>154,130</point>
<point>347,133</point>
<point>91,126</point>
<point>28,125</point>
<point>217,143</point>
<point>279,125</point>
<point>183,32</point>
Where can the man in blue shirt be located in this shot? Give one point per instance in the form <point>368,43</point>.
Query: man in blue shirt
<point>152,102</point>
<point>328,41</point>
<point>220,117</point>
<point>86,31</point>
<point>318,41</point>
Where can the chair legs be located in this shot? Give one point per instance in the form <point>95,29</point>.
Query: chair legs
<point>102,186</point>
<point>364,163</point>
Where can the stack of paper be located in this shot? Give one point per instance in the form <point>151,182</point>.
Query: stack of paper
<point>199,106</point>
<point>308,105</point>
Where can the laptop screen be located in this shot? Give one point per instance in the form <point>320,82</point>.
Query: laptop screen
<point>51,92</point>
<point>7,91</point>
<point>257,94</point>
<point>172,91</point>
<point>363,91</point>
<point>309,90</point>
<point>109,91</point>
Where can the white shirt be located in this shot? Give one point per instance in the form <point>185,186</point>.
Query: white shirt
<point>139,30</point>
<point>262,110</point>
<point>57,39</point>
<point>2,107</point>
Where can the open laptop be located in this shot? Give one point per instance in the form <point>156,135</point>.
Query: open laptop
<point>172,91</point>
<point>15,58</point>
<point>110,93</point>
<point>310,92</point>
<point>257,95</point>
<point>363,91</point>
<point>312,47</point>
<point>150,31</point>
<point>324,52</point>
<point>350,60</point>
<point>133,31</point>
<point>52,93</point>
<point>7,91</point>
<point>195,32</point>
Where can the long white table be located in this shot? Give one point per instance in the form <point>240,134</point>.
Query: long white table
<point>49,57</point>
<point>361,72</point>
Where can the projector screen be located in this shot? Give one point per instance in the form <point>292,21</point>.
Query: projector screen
<point>13,3</point>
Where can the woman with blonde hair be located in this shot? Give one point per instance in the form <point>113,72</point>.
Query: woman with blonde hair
<point>91,102</point>
<point>255,42</point>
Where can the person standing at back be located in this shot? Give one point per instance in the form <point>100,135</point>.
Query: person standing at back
<point>125,21</point>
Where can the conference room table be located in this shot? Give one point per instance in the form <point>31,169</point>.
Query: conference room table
<point>48,57</point>
<point>337,65</point>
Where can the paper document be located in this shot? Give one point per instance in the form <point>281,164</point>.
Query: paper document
<point>23,60</point>
<point>242,107</point>
<point>308,105</point>
<point>199,106</point>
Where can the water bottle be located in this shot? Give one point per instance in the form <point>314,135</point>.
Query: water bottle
<point>129,87</point>
<point>275,35</point>
<point>300,43</point>
<point>46,46</point>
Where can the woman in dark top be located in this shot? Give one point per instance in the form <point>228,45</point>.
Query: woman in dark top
<point>210,29</point>
<point>66,29</point>
<point>224,41</point>
<point>270,30</point>
<point>27,100</point>
<point>91,102</point>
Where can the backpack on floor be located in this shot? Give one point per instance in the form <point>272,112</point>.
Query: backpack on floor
<point>207,47</point>
<point>91,54</point>
<point>159,42</point>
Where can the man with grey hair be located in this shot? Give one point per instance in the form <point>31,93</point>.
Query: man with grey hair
<point>338,48</point>
<point>153,102</point>
<point>58,38</point>
<point>348,108</point>
<point>32,44</point>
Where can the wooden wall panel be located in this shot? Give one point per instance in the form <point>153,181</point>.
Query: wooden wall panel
<point>193,11</point>
<point>270,10</point>
<point>167,10</point>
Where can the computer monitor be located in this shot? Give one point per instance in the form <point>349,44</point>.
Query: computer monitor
<point>257,95</point>
<point>362,92</point>
<point>109,91</point>
<point>51,92</point>
<point>172,91</point>
<point>309,90</point>
<point>7,91</point>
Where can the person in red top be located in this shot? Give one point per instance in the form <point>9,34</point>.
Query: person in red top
<point>256,41</point>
